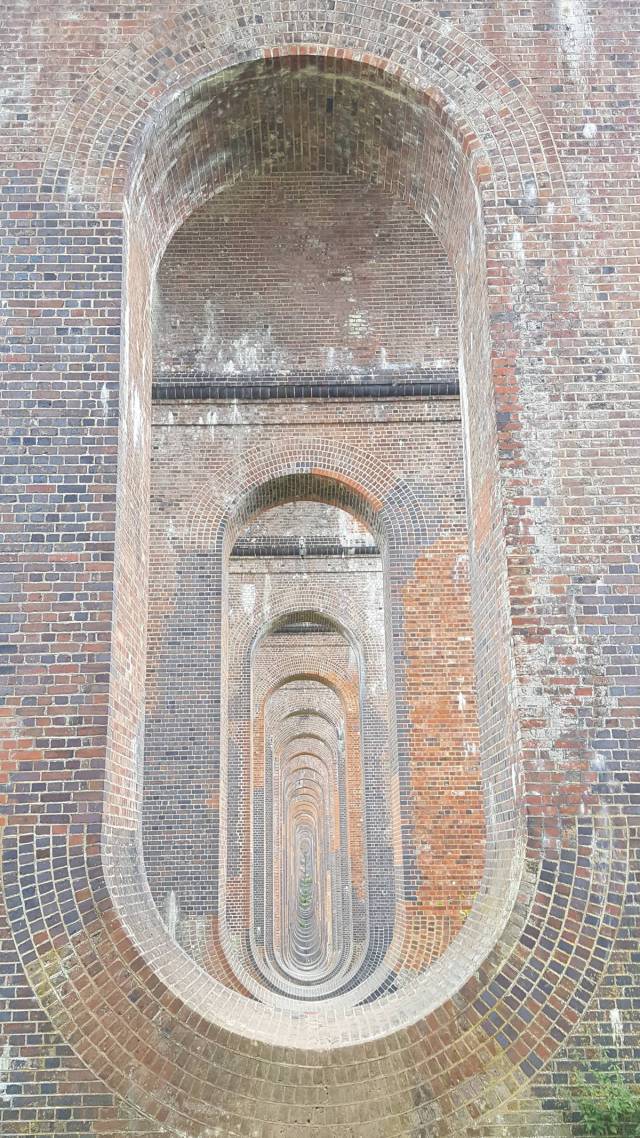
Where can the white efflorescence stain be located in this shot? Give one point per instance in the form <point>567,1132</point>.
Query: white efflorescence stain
<point>576,37</point>
<point>171,914</point>
<point>518,247</point>
<point>357,324</point>
<point>248,598</point>
<point>5,1072</point>
<point>617,1029</point>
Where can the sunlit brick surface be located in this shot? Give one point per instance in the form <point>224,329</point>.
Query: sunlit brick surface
<point>319,781</point>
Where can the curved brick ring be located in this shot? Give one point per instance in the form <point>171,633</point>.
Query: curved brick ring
<point>110,1001</point>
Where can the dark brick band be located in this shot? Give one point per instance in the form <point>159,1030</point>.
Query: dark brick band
<point>262,389</point>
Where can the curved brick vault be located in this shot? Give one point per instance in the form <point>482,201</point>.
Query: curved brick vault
<point>197,1016</point>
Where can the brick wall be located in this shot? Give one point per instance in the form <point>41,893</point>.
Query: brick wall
<point>509,130</point>
<point>298,274</point>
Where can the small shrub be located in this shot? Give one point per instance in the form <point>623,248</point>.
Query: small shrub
<point>607,1105</point>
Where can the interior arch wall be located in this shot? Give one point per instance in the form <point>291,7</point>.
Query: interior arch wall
<point>369,101</point>
<point>403,533</point>
<point>475,335</point>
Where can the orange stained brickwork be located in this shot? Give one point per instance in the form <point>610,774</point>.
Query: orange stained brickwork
<point>446,797</point>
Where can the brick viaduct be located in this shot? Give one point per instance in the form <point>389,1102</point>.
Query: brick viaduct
<point>319,681</point>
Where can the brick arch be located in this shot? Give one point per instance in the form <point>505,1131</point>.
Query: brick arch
<point>360,980</point>
<point>348,623</point>
<point>355,481</point>
<point>296,667</point>
<point>93,146</point>
<point>310,737</point>
<point>179,173</point>
<point>322,471</point>
<point>405,508</point>
<point>100,952</point>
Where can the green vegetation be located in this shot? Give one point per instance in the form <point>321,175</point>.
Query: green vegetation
<point>607,1105</point>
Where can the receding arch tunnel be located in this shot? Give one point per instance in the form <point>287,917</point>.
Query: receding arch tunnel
<point>272,392</point>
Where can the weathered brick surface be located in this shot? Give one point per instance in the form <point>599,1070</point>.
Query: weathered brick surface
<point>509,129</point>
<point>294,274</point>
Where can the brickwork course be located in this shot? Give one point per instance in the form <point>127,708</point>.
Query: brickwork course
<point>319,702</point>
